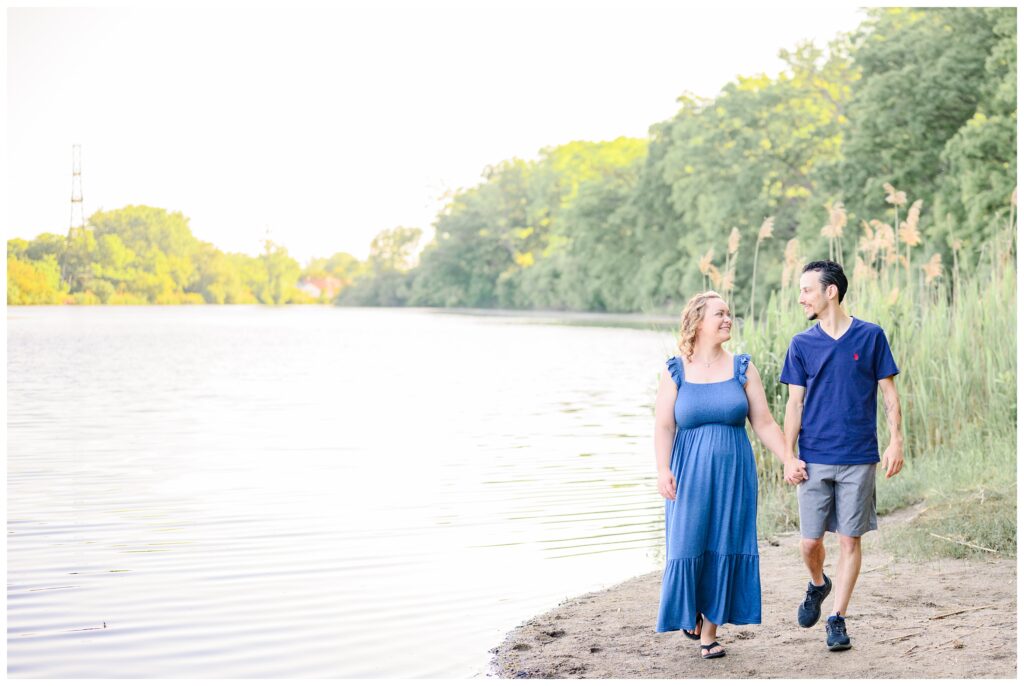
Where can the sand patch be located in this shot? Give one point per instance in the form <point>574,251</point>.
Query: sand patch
<point>894,622</point>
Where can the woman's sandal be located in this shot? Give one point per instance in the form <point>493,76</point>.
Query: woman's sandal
<point>710,655</point>
<point>700,625</point>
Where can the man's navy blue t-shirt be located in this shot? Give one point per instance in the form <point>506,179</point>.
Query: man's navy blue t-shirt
<point>840,404</point>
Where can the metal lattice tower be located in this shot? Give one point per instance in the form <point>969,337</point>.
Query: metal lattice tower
<point>77,210</point>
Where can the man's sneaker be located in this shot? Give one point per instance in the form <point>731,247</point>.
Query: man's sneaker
<point>835,633</point>
<point>809,612</point>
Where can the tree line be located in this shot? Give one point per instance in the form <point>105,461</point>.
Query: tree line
<point>818,159</point>
<point>913,100</point>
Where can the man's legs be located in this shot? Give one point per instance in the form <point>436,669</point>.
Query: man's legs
<point>813,551</point>
<point>847,572</point>
<point>855,516</point>
<point>816,498</point>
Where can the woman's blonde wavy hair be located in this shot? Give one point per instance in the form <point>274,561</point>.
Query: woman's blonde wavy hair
<point>693,313</point>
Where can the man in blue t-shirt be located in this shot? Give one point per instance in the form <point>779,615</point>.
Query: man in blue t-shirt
<point>834,370</point>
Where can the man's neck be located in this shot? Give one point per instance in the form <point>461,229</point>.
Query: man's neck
<point>835,322</point>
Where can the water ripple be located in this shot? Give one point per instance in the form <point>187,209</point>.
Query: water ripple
<point>261,492</point>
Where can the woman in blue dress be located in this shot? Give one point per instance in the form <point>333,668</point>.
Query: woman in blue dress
<point>706,474</point>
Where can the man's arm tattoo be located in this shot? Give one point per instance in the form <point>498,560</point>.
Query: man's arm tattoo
<point>893,412</point>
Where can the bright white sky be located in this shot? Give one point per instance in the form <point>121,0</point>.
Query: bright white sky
<point>326,126</point>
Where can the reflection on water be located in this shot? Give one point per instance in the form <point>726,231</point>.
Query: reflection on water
<point>249,491</point>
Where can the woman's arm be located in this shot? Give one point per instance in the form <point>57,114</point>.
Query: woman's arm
<point>664,434</point>
<point>767,429</point>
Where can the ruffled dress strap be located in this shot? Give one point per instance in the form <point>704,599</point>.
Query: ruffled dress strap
<point>740,364</point>
<point>675,368</point>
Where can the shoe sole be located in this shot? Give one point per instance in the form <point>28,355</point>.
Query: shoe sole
<point>840,647</point>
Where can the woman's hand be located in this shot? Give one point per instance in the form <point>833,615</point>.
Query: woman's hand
<point>795,471</point>
<point>667,485</point>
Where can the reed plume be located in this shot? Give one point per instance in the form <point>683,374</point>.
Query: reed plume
<point>763,234</point>
<point>792,261</point>
<point>715,276</point>
<point>834,230</point>
<point>727,283</point>
<point>704,264</point>
<point>862,272</point>
<point>897,199</point>
<point>932,268</point>
<point>734,240</point>
<point>885,240</point>
<point>909,234</point>
<point>894,197</point>
<point>868,245</point>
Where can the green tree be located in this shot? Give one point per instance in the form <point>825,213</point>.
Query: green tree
<point>981,158</point>
<point>392,249</point>
<point>46,244</point>
<point>251,274</point>
<point>386,279</point>
<point>161,241</point>
<point>500,243</point>
<point>216,278</point>
<point>340,265</point>
<point>926,75</point>
<point>17,247</point>
<point>77,259</point>
<point>113,261</point>
<point>763,147</point>
<point>282,272</point>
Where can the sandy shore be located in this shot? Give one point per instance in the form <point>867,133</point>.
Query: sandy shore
<point>895,622</point>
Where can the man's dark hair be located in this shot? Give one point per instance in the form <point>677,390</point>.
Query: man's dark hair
<point>830,273</point>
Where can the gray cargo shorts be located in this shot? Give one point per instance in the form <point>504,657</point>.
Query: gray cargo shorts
<point>838,498</point>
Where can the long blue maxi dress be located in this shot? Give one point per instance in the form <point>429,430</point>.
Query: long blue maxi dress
<point>711,556</point>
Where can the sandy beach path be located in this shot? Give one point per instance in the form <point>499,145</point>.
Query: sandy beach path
<point>895,621</point>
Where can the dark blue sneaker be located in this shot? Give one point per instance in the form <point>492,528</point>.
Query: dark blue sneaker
<point>835,633</point>
<point>809,612</point>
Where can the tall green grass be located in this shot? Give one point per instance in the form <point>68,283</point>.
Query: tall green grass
<point>954,340</point>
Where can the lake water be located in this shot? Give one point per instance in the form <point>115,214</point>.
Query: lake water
<point>315,491</point>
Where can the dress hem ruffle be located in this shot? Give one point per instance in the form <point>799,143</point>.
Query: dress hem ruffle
<point>725,588</point>
<point>734,622</point>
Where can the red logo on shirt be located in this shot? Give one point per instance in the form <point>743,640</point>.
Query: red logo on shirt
<point>856,356</point>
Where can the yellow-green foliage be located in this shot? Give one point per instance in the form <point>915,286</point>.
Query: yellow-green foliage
<point>127,299</point>
<point>139,255</point>
<point>84,298</point>
<point>32,282</point>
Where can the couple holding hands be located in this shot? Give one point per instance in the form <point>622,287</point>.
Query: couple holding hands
<point>706,470</point>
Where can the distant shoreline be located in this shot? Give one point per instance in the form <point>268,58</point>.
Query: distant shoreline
<point>574,317</point>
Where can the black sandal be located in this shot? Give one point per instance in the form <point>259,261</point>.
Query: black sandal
<point>710,655</point>
<point>699,626</point>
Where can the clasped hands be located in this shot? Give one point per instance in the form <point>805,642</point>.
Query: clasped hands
<point>795,470</point>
